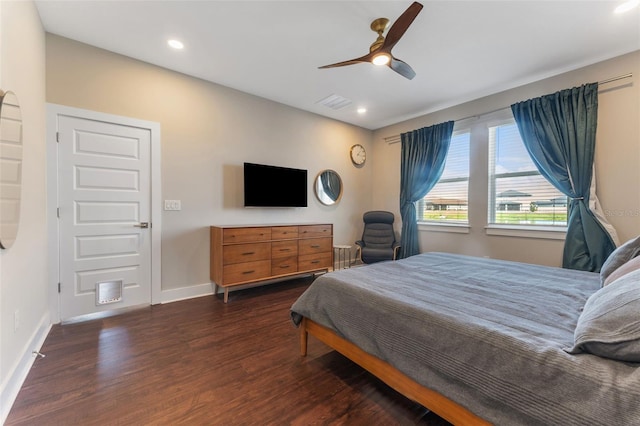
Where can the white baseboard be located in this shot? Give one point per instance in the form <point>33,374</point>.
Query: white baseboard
<point>183,293</point>
<point>206,289</point>
<point>18,374</point>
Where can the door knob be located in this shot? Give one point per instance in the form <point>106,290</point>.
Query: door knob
<point>142,225</point>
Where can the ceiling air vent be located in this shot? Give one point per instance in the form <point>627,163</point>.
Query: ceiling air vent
<point>334,102</point>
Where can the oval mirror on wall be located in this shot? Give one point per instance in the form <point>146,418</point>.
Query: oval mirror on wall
<point>10,167</point>
<point>328,187</point>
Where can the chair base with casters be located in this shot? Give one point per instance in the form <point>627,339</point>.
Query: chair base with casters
<point>378,242</point>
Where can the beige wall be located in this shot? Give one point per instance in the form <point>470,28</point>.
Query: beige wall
<point>23,267</point>
<point>617,163</point>
<point>208,131</point>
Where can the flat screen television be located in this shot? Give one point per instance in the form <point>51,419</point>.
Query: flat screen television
<point>272,186</point>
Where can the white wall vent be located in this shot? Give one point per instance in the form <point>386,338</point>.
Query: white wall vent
<point>335,102</point>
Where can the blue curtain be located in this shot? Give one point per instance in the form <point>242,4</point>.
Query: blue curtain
<point>423,156</point>
<point>559,131</point>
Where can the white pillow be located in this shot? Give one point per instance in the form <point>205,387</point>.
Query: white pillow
<point>623,270</point>
<point>619,257</point>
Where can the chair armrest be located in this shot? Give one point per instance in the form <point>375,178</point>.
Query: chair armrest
<point>359,245</point>
<point>396,250</point>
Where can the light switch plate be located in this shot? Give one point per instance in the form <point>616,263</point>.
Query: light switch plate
<point>172,205</point>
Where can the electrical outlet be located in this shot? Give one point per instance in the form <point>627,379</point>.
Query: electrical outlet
<point>172,205</point>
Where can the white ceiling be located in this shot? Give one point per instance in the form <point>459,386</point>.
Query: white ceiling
<point>460,50</point>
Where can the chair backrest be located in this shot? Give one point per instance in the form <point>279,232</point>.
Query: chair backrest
<point>378,229</point>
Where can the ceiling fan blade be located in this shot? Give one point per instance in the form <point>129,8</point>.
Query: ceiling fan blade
<point>402,68</point>
<point>365,58</point>
<point>400,26</point>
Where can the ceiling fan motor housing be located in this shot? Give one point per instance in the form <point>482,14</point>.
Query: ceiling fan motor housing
<point>378,26</point>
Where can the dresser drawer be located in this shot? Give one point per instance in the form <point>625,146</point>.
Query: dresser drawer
<point>240,253</point>
<point>284,248</point>
<point>306,231</point>
<point>314,245</point>
<point>245,272</point>
<point>284,265</point>
<point>284,232</point>
<point>311,262</point>
<point>245,235</point>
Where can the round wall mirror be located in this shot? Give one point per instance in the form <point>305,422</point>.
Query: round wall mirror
<point>328,187</point>
<point>10,167</point>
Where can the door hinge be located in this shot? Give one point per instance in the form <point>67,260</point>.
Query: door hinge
<point>58,212</point>
<point>59,288</point>
<point>58,137</point>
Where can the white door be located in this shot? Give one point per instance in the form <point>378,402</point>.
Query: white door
<point>104,193</point>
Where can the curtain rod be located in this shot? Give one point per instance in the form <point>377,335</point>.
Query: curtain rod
<point>395,139</point>
<point>612,79</point>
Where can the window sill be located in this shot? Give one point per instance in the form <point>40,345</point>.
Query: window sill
<point>456,228</point>
<point>541,232</point>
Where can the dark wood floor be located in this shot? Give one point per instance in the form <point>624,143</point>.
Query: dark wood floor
<point>202,362</point>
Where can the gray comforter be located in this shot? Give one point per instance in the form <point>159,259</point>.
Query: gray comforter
<point>485,333</point>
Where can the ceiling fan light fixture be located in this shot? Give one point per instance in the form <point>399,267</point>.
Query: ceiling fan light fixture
<point>381,59</point>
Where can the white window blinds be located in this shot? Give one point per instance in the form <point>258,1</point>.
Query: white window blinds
<point>448,201</point>
<point>518,193</point>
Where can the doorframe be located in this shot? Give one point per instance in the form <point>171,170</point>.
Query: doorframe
<point>53,242</point>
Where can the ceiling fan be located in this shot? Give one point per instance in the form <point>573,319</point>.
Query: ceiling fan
<point>380,50</point>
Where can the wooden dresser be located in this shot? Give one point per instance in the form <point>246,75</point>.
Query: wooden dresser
<point>247,254</point>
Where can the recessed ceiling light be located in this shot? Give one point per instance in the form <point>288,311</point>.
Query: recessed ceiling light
<point>176,44</point>
<point>627,6</point>
<point>362,110</point>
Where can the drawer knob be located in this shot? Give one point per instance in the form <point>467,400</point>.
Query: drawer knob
<point>248,253</point>
<point>315,261</point>
<point>248,272</point>
<point>315,246</point>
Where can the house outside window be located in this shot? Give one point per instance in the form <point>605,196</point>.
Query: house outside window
<point>518,194</point>
<point>448,200</point>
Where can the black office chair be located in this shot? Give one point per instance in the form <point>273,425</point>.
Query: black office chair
<point>378,241</point>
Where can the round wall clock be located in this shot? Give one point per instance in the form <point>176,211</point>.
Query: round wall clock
<point>358,154</point>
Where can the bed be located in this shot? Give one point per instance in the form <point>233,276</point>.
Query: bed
<point>481,341</point>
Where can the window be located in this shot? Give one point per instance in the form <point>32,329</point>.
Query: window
<point>448,201</point>
<point>518,193</point>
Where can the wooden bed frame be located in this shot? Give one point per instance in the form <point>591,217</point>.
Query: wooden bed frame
<point>439,404</point>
